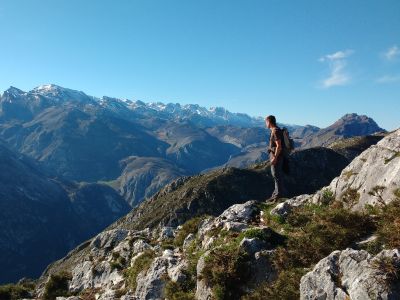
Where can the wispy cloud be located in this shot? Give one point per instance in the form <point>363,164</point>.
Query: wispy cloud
<point>337,64</point>
<point>337,55</point>
<point>392,53</point>
<point>388,79</point>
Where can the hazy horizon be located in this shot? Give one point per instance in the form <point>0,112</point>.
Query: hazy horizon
<point>166,102</point>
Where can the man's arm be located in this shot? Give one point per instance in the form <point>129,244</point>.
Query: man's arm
<point>278,147</point>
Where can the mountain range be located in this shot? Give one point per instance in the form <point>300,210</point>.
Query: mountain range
<point>78,163</point>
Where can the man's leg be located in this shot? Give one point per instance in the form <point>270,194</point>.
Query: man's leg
<point>276,172</point>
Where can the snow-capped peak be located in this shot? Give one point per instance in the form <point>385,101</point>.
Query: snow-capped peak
<point>13,91</point>
<point>47,87</point>
<point>57,93</point>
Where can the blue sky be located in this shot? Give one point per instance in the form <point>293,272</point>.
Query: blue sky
<point>307,62</point>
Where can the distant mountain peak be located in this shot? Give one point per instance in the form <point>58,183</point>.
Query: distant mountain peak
<point>59,93</point>
<point>48,87</point>
<point>13,91</point>
<point>352,116</point>
<point>349,125</point>
<point>55,89</point>
<point>352,119</point>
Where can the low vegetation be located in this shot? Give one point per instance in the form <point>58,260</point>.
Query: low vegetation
<point>312,233</point>
<point>57,286</point>
<point>189,227</point>
<point>141,264</point>
<point>16,291</point>
<point>118,262</point>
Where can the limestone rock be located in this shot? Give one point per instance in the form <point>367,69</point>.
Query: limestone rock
<point>352,274</point>
<point>374,175</point>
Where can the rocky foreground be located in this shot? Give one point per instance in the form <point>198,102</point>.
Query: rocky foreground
<point>342,242</point>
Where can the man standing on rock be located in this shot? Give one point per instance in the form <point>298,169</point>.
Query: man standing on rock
<point>275,156</point>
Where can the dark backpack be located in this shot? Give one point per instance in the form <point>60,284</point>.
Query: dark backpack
<point>288,142</point>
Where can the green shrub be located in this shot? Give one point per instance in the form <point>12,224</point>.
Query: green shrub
<point>118,262</point>
<point>167,244</point>
<point>181,290</point>
<point>57,286</point>
<point>388,226</point>
<point>15,291</point>
<point>396,193</point>
<point>142,263</point>
<point>395,154</point>
<point>319,230</point>
<point>226,269</point>
<point>190,226</point>
<point>327,196</point>
<point>350,197</point>
<point>285,287</point>
<point>258,233</point>
<point>387,271</point>
<point>312,233</point>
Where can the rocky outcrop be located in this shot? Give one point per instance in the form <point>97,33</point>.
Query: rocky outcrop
<point>101,264</point>
<point>353,274</point>
<point>371,178</point>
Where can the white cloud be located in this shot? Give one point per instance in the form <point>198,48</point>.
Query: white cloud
<point>392,53</point>
<point>388,79</point>
<point>337,63</point>
<point>337,55</point>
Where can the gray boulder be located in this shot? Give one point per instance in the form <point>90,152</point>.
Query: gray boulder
<point>353,274</point>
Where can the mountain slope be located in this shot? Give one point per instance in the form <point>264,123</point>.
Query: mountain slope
<point>348,126</point>
<point>201,233</point>
<point>44,217</point>
<point>212,193</point>
<point>142,177</point>
<point>79,144</point>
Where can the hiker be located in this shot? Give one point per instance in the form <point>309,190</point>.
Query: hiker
<point>276,154</point>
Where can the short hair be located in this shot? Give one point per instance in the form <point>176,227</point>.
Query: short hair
<point>271,119</point>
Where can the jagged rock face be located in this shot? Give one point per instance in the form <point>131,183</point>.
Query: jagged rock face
<point>235,218</point>
<point>91,264</point>
<point>203,290</point>
<point>376,168</point>
<point>150,283</point>
<point>352,274</point>
<point>239,218</point>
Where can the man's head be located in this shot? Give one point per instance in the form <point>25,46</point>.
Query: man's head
<point>270,121</point>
